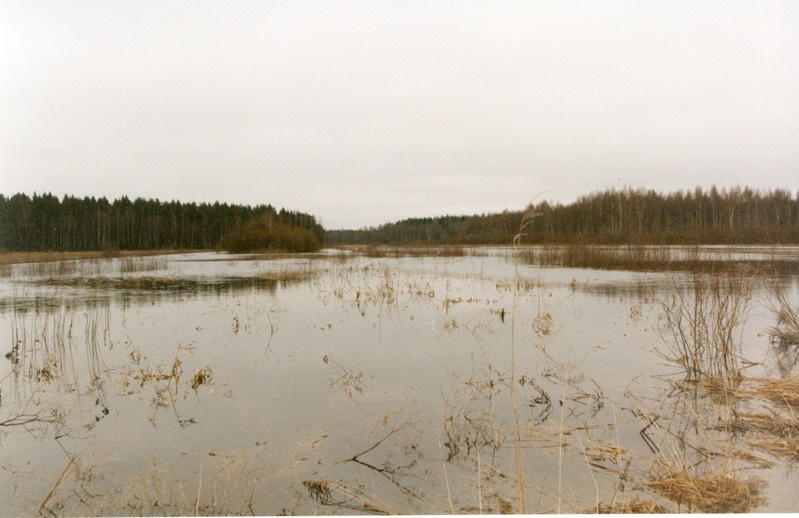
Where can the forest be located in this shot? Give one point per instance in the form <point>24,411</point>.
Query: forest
<point>737,215</point>
<point>716,216</point>
<point>46,223</point>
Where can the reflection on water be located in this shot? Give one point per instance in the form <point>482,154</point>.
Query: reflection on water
<point>336,384</point>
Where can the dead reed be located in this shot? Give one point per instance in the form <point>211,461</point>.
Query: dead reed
<point>648,258</point>
<point>701,327</point>
<point>636,506</point>
<point>709,493</point>
<point>268,279</point>
<point>38,257</point>
<point>131,264</point>
<point>396,252</point>
<point>785,332</point>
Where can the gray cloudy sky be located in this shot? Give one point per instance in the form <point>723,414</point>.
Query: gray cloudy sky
<point>364,112</point>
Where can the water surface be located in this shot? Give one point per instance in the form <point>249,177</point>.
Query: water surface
<point>340,384</point>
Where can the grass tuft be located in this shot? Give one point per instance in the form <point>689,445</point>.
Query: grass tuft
<point>712,493</point>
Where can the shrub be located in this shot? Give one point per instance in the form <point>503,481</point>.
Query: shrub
<point>266,234</point>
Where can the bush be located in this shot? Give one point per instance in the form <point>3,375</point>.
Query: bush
<point>266,234</point>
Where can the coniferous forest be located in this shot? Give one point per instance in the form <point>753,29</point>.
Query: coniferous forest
<point>715,216</point>
<point>47,223</point>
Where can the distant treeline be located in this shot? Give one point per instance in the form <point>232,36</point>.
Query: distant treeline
<point>716,216</point>
<point>45,222</point>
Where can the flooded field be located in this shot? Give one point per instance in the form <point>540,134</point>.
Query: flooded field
<point>417,383</point>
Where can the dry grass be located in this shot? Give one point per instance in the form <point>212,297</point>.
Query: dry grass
<point>776,431</point>
<point>38,257</point>
<point>777,435</point>
<point>647,258</point>
<point>201,377</point>
<point>130,264</point>
<point>702,327</point>
<point>711,493</point>
<point>156,283</point>
<point>636,506</point>
<point>786,447</point>
<point>780,391</point>
<point>410,251</point>
<point>785,332</point>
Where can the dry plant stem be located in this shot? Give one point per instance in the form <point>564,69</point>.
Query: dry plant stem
<point>526,220</point>
<point>72,458</point>
<point>479,484</point>
<point>394,430</point>
<point>703,331</point>
<point>588,464</point>
<point>199,490</point>
<point>560,449</point>
<point>446,478</point>
<point>786,331</point>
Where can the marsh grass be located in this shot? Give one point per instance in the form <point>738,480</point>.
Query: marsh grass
<point>636,506</point>
<point>268,280</point>
<point>648,259</point>
<point>709,492</point>
<point>131,264</point>
<point>225,484</point>
<point>44,341</point>
<point>62,264</point>
<point>394,252</point>
<point>785,332</point>
<point>776,434</point>
<point>702,327</point>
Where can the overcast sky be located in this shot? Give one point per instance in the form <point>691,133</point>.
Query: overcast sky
<point>367,112</point>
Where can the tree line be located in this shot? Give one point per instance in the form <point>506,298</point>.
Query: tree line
<point>44,222</point>
<point>716,216</point>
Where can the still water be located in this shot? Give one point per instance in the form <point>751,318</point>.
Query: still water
<point>336,383</point>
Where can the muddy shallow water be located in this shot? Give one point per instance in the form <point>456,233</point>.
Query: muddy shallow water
<point>339,384</point>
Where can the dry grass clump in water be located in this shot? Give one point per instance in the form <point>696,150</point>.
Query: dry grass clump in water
<point>778,429</point>
<point>702,327</point>
<point>785,333</point>
<point>201,377</point>
<point>650,258</point>
<point>289,276</point>
<point>635,507</point>
<point>781,391</point>
<point>410,251</point>
<point>711,493</point>
<point>782,434</point>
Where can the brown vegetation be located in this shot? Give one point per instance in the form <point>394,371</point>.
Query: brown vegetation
<point>702,328</point>
<point>636,506</point>
<point>43,257</point>
<point>648,259</point>
<point>267,234</point>
<point>410,251</point>
<point>711,493</point>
